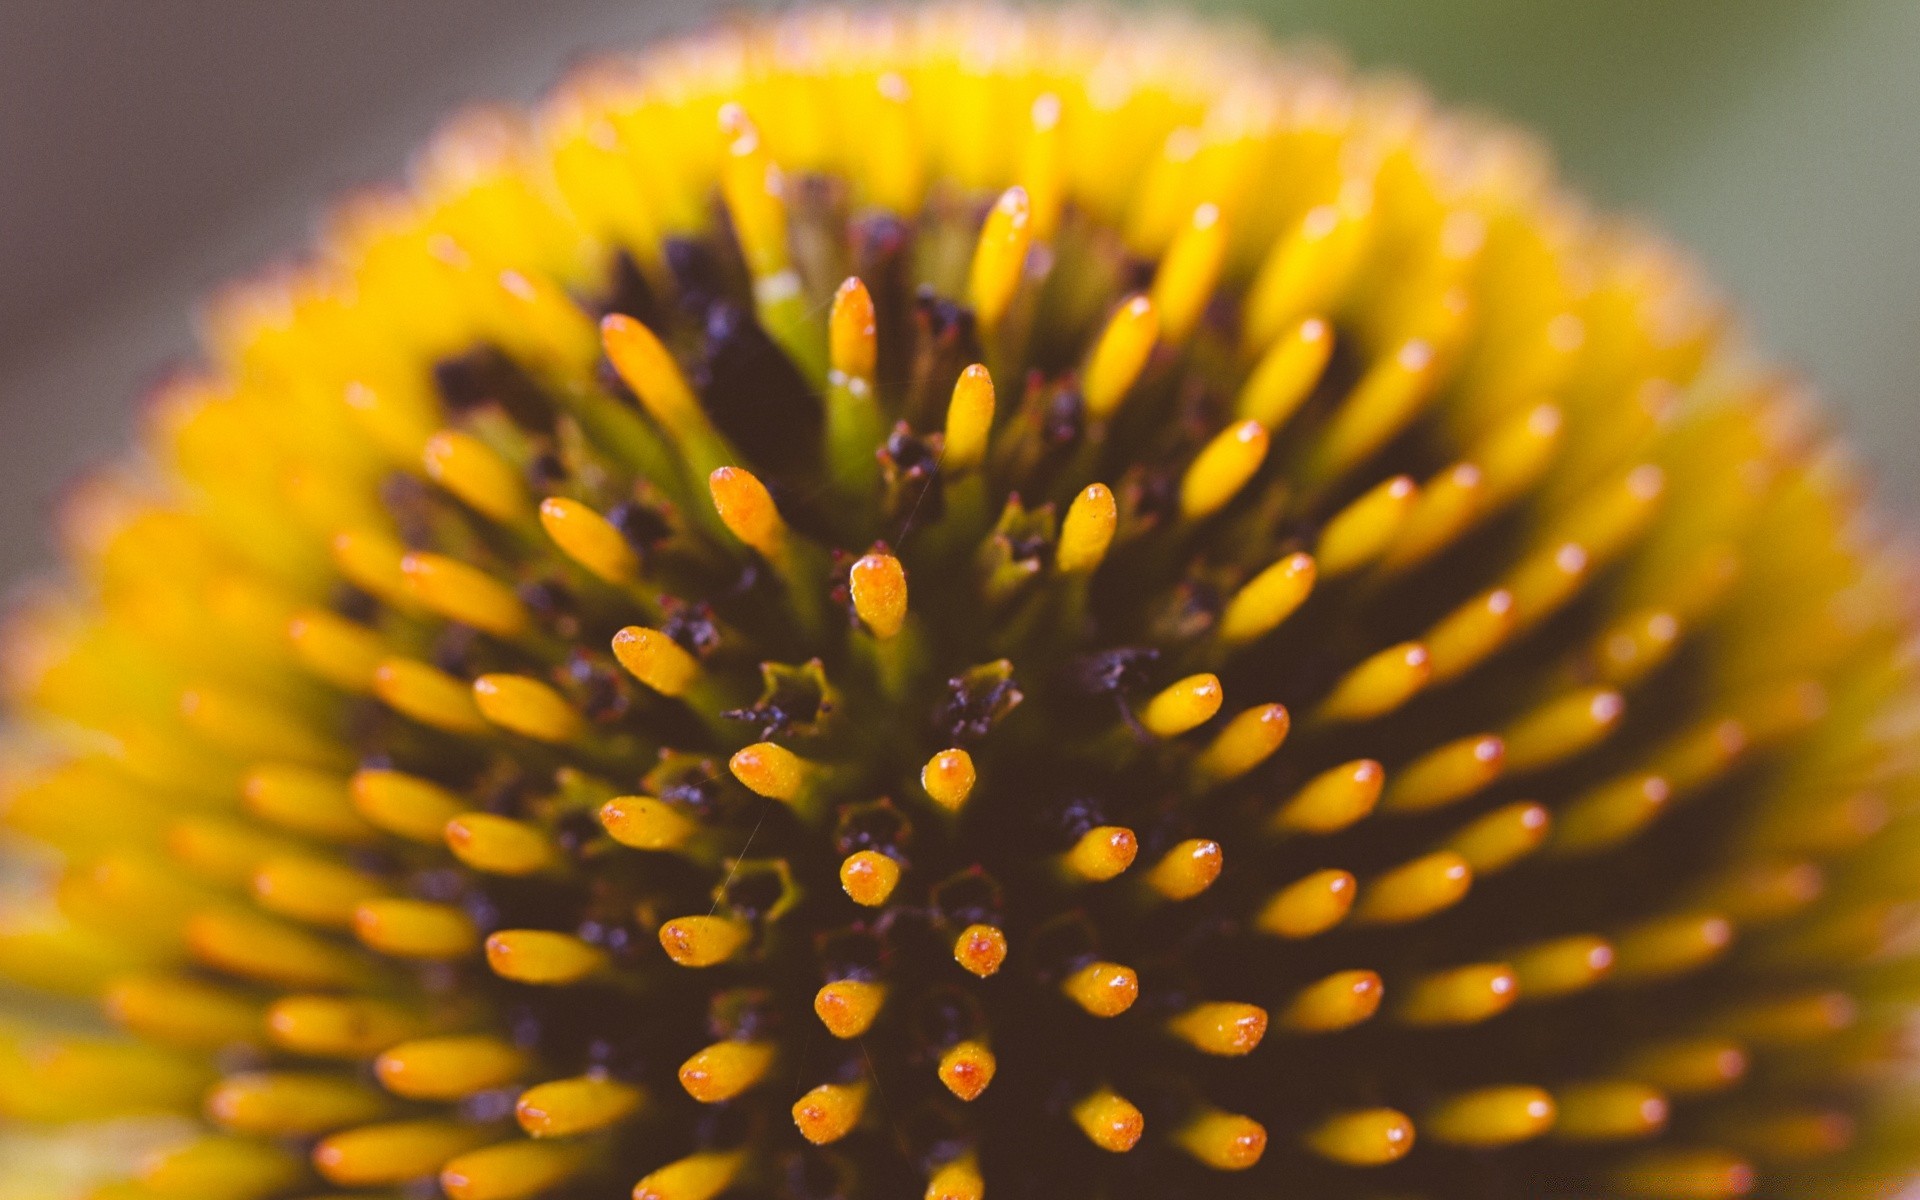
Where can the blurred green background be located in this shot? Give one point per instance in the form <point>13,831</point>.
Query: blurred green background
<point>149,150</point>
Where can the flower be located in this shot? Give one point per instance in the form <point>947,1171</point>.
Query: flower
<point>956,600</point>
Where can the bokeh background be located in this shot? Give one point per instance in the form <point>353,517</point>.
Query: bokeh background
<point>148,150</point>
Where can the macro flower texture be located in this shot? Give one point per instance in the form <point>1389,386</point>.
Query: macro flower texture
<point>964,603</point>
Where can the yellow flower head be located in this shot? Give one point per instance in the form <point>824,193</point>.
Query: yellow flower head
<point>961,602</point>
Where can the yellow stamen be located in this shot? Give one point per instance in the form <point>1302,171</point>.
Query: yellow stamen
<point>1247,741</point>
<point>829,1112</point>
<point>1308,906</point>
<point>656,660</point>
<point>1087,530</point>
<point>267,951</point>
<point>527,707</point>
<point>278,1104</point>
<point>957,1180</point>
<point>569,1107</point>
<point>869,877</point>
<point>646,823</point>
<point>1562,727</point>
<point>1222,468</point>
<point>1109,1121</point>
<point>415,929</point>
<point>1460,996</point>
<point>404,805</point>
<point>340,651</point>
<point>1284,377</point>
<point>1359,533</point>
<point>349,1027</point>
<point>304,801</point>
<point>725,1069</point>
<point>1102,989</point>
<point>1379,685</point>
<point>314,891</point>
<point>703,941</point>
<point>1447,774</point>
<point>980,949</point>
<point>371,562</point>
<point>1692,1067</point>
<point>1188,272</point>
<point>1502,837</point>
<point>772,771</point>
<point>747,510</point>
<point>543,957</point>
<point>646,366</point>
<point>1119,356</point>
<point>396,1152</point>
<point>1668,946</point>
<point>428,695</point>
<point>1267,599</point>
<point>1224,1029</point>
<point>1182,706</point>
<point>1462,639</point>
<point>1610,814</point>
<point>1494,1116</point>
<point>967,1068</point>
<point>1368,1137</point>
<point>1333,799</point>
<point>499,845</point>
<point>1562,966</point>
<point>695,1177</point>
<point>851,347</point>
<point>1685,1175</point>
<point>948,778</point>
<point>969,421</point>
<point>1222,1140</point>
<point>999,259</point>
<point>448,1068</point>
<point>1388,396</point>
<point>849,1007</point>
<point>1186,870</point>
<point>1101,853</point>
<point>511,1171</point>
<point>183,1012</point>
<point>475,472</point>
<point>589,539</point>
<point>464,593</point>
<point>1609,1110</point>
<point>879,587</point>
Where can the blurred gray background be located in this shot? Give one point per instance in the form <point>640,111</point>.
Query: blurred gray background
<point>147,150</point>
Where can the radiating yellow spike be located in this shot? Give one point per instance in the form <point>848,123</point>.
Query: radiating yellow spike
<point>966,1068</point>
<point>1369,1137</point>
<point>1608,1110</point>
<point>1670,945</point>
<point>371,562</point>
<point>219,1168</point>
<point>1459,995</point>
<point>851,338</point>
<point>1285,375</point>
<point>948,778</point>
<point>878,584</point>
<point>1222,468</point>
<point>1119,356</point>
<point>463,593</point>
<point>540,956</point>
<point>314,891</point>
<point>395,1152</point>
<point>703,941</point>
<point>313,803</point>
<point>1492,1116</point>
<point>1631,647</point>
<point>1563,727</point>
<point>1333,799</point>
<point>1182,706</point>
<point>1267,599</point>
<point>404,805</point>
<point>1689,1067</point>
<point>969,421</point>
<point>428,695</point>
<point>1101,853</point>
<point>1308,268</point>
<point>696,1177</point>
<point>1514,455</point>
<point>475,472</point>
<point>1339,1001</point>
<point>1308,906</point>
<point>1186,870</point>
<point>1562,966</point>
<point>1610,814</point>
<point>725,1070</point>
<point>178,1011</point>
<point>448,1068</point>
<point>1447,774</point>
<point>747,510</point>
<point>645,823</point>
<point>772,771</point>
<point>511,1170</point>
<point>647,367</point>
<point>252,947</point>
<point>957,1180</point>
<point>499,845</point>
<point>1464,638</point>
<point>218,850</point>
<point>1685,1175</point>
<point>1224,1029</point>
<point>1109,1121</point>
<point>246,728</point>
<point>1448,505</point>
<point>1388,396</point>
<point>1247,741</point>
<point>570,1107</point>
<point>849,1007</point>
<point>339,651</point>
<point>352,1027</point>
<point>292,1104</point>
<point>1087,530</point>
<point>1102,989</point>
<point>999,260</point>
<point>1502,837</point>
<point>869,877</point>
<point>1222,1140</point>
<point>415,929</point>
<point>830,1111</point>
<point>1359,533</point>
<point>1378,685</point>
<point>755,194</point>
<point>1762,892</point>
<point>527,707</point>
<point>980,949</point>
<point>1188,272</point>
<point>589,539</point>
<point>656,660</point>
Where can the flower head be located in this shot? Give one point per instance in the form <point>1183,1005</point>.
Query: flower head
<point>951,602</point>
